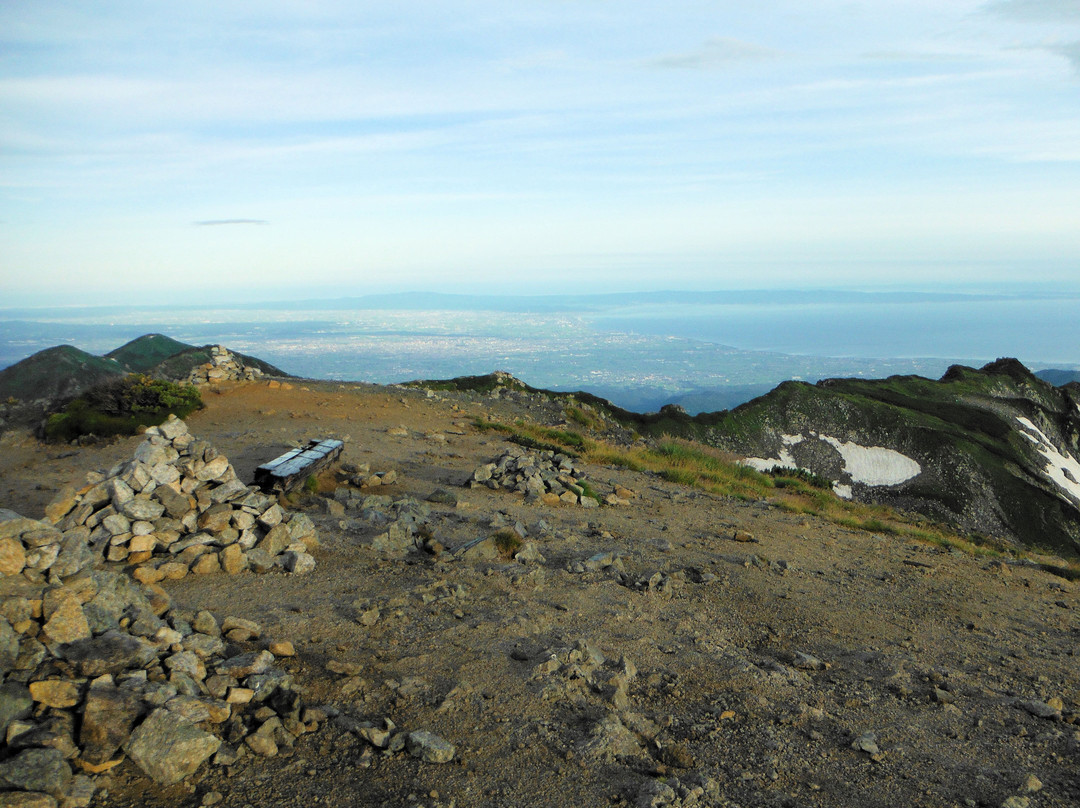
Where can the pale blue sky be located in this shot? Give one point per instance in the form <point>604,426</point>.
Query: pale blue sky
<point>155,151</point>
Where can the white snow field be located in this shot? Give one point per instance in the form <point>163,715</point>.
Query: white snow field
<point>1063,469</point>
<point>870,465</point>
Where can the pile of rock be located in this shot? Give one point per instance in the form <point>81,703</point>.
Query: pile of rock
<point>403,522</point>
<point>96,668</point>
<point>549,477</point>
<point>37,550</point>
<point>223,366</point>
<point>178,507</point>
<point>360,475</point>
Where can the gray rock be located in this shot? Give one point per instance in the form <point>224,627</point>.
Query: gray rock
<point>206,623</point>
<point>246,664</point>
<point>397,541</point>
<point>299,563</point>
<point>142,509</point>
<point>1041,709</point>
<point>259,560</point>
<point>440,496</point>
<point>37,770</point>
<point>176,504</point>
<point>108,719</point>
<point>867,742</point>
<point>15,703</point>
<point>429,747</point>
<point>168,748</point>
<point>113,652</point>
<point>75,554</point>
<point>9,647</point>
<point>808,662</point>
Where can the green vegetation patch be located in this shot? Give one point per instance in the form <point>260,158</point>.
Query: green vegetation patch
<point>147,351</point>
<point>121,407</point>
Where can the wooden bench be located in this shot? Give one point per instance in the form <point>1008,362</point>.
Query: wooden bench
<point>288,472</point>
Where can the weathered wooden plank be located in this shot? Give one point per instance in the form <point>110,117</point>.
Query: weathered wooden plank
<point>289,471</point>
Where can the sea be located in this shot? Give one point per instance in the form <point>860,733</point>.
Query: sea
<point>1039,331</point>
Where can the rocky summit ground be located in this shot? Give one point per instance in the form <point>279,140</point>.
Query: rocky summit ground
<point>633,654</point>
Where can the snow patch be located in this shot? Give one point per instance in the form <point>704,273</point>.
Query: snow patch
<point>1063,469</point>
<point>874,465</point>
<point>784,461</point>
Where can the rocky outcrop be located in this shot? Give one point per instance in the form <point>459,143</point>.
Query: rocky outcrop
<point>546,476</point>
<point>176,507</point>
<point>994,451</point>
<point>224,366</point>
<point>95,667</point>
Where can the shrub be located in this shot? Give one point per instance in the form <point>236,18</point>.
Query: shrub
<point>120,407</point>
<point>507,542</point>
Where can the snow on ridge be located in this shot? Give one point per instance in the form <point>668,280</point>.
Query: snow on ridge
<point>1062,469</point>
<point>871,465</point>
<point>784,460</point>
<point>874,465</point>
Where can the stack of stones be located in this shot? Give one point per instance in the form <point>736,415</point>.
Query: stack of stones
<point>547,476</point>
<point>95,668</point>
<point>178,507</point>
<point>223,366</point>
<point>39,551</point>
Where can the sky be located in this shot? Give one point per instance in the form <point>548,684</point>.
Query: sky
<point>152,152</point>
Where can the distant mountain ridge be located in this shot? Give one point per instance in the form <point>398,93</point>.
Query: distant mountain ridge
<point>992,451</point>
<point>1058,377</point>
<point>63,372</point>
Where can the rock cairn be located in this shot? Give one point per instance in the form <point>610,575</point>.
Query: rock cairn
<point>177,507</point>
<point>95,668</point>
<point>38,550</point>
<point>223,366</point>
<point>549,477</point>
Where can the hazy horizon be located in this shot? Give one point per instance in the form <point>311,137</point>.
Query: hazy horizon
<point>164,154</point>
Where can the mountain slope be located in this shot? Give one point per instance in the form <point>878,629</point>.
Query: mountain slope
<point>992,451</point>
<point>55,373</point>
<point>147,351</point>
<point>177,366</point>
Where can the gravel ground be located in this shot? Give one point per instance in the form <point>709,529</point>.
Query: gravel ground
<point>812,666</point>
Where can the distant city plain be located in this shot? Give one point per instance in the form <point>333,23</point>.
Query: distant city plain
<point>703,350</point>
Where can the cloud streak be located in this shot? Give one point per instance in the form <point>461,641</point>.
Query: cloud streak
<point>219,222</point>
<point>717,52</point>
<point>1037,10</point>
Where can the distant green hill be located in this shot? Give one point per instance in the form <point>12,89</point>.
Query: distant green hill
<point>147,351</point>
<point>1057,377</point>
<point>61,373</point>
<point>56,373</point>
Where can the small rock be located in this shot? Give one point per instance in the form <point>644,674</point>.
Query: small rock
<point>1041,709</point>
<point>1016,802</point>
<point>867,742</point>
<point>429,747</point>
<point>168,748</point>
<point>282,648</point>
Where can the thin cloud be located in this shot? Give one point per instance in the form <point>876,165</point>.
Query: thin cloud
<point>1070,52</point>
<point>1037,10</point>
<point>216,222</point>
<point>717,52</point>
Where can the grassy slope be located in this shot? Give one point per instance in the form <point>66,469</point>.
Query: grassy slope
<point>962,425</point>
<point>59,372</point>
<point>147,351</point>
